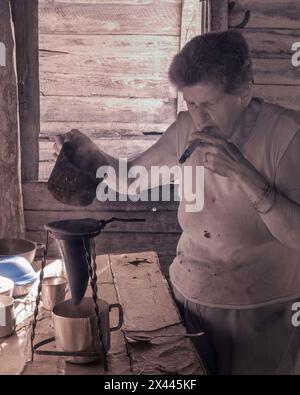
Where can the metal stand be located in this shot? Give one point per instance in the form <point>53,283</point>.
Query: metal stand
<point>92,267</point>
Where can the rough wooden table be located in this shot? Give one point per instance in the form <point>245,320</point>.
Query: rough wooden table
<point>136,282</point>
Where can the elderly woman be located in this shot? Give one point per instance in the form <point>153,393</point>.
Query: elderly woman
<point>237,270</point>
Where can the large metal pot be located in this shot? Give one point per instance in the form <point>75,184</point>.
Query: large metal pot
<point>16,257</point>
<point>19,247</point>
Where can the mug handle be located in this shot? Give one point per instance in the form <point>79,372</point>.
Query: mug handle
<point>121,315</point>
<point>39,245</point>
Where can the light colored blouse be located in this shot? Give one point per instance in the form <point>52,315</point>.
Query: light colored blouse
<point>229,255</point>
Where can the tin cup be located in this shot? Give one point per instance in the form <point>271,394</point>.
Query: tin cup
<point>54,290</point>
<point>8,314</point>
<point>76,328</point>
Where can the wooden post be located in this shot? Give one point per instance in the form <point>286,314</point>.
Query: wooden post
<point>11,206</point>
<point>25,18</point>
<point>219,15</point>
<point>193,17</point>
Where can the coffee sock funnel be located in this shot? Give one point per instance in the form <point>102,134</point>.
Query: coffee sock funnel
<point>74,238</point>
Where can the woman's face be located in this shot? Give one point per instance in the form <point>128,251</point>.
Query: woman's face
<point>209,106</point>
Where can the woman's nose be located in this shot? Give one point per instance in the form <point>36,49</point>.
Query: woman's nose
<point>201,116</point>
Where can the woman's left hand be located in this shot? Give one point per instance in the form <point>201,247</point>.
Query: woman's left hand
<point>220,156</point>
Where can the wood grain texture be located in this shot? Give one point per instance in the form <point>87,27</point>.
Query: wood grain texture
<point>106,109</point>
<point>267,14</point>
<point>271,43</point>
<point>150,17</point>
<point>129,278</point>
<point>191,26</point>
<point>219,12</point>
<point>114,47</point>
<point>119,148</point>
<point>38,198</point>
<point>11,208</point>
<point>25,16</point>
<point>286,96</point>
<point>105,130</point>
<point>149,309</point>
<point>147,86</point>
<point>106,65</point>
<point>275,71</point>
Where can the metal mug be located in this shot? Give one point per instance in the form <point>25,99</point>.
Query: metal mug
<point>8,315</point>
<point>76,327</point>
<point>54,290</point>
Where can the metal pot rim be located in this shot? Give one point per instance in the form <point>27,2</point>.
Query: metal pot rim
<point>28,246</point>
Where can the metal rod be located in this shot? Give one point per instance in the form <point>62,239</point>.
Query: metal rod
<point>38,296</point>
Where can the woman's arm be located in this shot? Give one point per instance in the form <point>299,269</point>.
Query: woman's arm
<point>86,155</point>
<point>279,205</point>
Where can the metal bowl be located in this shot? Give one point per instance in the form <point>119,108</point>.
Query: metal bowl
<point>15,248</point>
<point>10,248</point>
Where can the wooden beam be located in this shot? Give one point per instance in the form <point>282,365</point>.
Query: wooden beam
<point>191,18</point>
<point>219,15</point>
<point>11,207</point>
<point>199,17</point>
<point>25,17</point>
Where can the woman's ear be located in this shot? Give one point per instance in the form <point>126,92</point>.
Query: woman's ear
<point>246,95</point>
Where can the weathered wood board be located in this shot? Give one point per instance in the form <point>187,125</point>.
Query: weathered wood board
<point>121,66</point>
<point>150,310</point>
<point>286,96</point>
<point>117,17</point>
<point>11,208</point>
<point>271,43</point>
<point>267,14</point>
<point>25,18</point>
<point>105,130</point>
<point>38,198</point>
<point>106,109</point>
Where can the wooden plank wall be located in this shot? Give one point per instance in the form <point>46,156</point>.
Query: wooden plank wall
<point>25,19</point>
<point>272,29</point>
<point>103,69</point>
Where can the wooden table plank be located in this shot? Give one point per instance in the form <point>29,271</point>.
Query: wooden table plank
<point>141,285</point>
<point>149,309</point>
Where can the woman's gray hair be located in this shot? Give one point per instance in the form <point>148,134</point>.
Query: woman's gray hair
<point>222,58</point>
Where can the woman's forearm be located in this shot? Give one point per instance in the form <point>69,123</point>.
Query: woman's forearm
<point>280,214</point>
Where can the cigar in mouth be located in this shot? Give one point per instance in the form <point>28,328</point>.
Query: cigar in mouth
<point>191,148</point>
